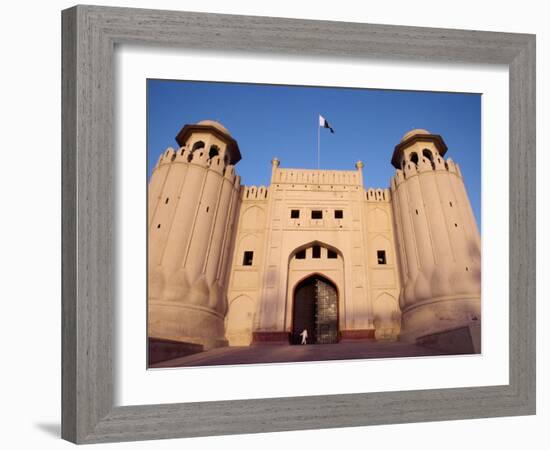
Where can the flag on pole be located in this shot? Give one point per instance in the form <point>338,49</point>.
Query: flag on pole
<point>323,123</point>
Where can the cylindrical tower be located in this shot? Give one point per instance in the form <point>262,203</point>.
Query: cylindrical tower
<point>438,240</point>
<point>191,207</point>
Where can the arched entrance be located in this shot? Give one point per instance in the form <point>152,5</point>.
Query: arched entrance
<point>315,309</point>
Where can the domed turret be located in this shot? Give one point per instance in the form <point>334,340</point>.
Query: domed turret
<point>436,230</point>
<point>217,125</point>
<point>194,194</point>
<point>414,132</point>
<point>211,136</point>
<point>413,143</point>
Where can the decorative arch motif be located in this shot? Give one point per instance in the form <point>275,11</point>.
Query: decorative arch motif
<point>247,243</point>
<point>239,319</point>
<point>382,242</point>
<point>385,305</point>
<point>253,218</point>
<point>378,219</point>
<point>313,244</point>
<point>387,317</point>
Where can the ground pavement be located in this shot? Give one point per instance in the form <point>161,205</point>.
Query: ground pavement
<point>294,353</point>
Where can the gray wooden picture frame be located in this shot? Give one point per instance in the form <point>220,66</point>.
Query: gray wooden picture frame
<point>90,34</point>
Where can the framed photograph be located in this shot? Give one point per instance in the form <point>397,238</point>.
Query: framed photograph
<point>245,267</point>
<point>246,200</point>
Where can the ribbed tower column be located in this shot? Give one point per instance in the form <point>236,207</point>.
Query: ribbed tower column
<point>436,231</point>
<point>194,190</point>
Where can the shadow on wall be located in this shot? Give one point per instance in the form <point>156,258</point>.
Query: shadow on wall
<point>474,255</point>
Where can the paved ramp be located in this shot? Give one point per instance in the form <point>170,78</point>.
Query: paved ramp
<point>262,354</point>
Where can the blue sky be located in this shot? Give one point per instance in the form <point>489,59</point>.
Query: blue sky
<point>281,121</point>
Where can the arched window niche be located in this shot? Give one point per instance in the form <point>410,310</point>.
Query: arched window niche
<point>427,153</point>
<point>214,151</point>
<point>316,250</point>
<point>197,145</point>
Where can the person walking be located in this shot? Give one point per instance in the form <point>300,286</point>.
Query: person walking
<point>304,336</point>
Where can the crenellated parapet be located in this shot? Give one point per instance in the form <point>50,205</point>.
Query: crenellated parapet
<point>316,177</point>
<point>424,165</point>
<point>377,195</point>
<point>165,158</point>
<point>198,158</point>
<point>254,193</point>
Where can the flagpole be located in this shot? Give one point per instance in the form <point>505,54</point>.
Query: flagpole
<point>318,143</point>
